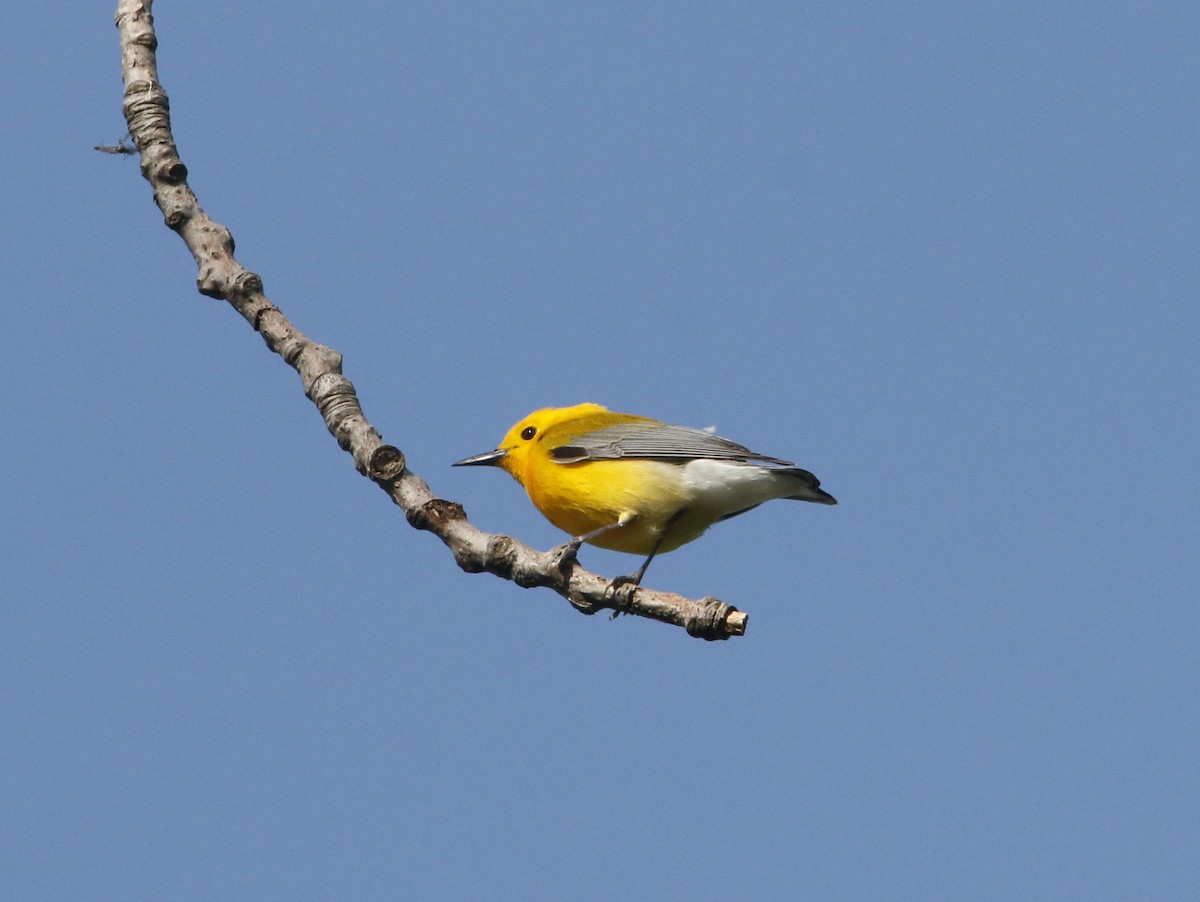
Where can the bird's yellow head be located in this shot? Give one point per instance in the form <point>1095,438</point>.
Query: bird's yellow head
<point>526,440</point>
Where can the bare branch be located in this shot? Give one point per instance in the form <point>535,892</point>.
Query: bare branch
<point>320,369</point>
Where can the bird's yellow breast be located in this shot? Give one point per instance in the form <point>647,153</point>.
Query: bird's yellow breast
<point>581,497</point>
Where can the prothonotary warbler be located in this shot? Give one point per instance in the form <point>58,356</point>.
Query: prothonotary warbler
<point>638,485</point>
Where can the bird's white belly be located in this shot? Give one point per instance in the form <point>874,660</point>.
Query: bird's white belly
<point>727,487</point>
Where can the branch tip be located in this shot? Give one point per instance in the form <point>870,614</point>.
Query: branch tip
<point>713,619</point>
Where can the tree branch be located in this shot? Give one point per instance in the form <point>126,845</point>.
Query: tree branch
<point>221,276</point>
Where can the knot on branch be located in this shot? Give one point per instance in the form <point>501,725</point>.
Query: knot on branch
<point>385,464</point>
<point>146,39</point>
<point>245,283</point>
<point>434,514</point>
<point>172,172</point>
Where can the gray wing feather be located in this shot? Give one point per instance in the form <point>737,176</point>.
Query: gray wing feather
<point>656,442</point>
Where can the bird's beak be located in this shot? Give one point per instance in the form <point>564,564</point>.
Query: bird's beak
<point>489,459</point>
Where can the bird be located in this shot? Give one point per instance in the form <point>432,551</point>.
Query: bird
<point>635,484</point>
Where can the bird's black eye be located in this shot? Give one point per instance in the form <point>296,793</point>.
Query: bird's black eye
<point>528,432</point>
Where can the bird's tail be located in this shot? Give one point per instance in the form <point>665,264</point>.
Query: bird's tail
<point>808,486</point>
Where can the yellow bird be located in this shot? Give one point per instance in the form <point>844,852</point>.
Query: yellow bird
<point>638,485</point>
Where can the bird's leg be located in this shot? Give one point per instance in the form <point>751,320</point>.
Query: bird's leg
<point>568,550</point>
<point>633,580</point>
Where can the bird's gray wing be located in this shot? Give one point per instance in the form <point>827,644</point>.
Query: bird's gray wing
<point>655,441</point>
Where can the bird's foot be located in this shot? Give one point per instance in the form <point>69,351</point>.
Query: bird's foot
<point>567,554</point>
<point>620,593</point>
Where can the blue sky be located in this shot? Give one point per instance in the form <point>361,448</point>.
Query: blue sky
<point>944,255</point>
